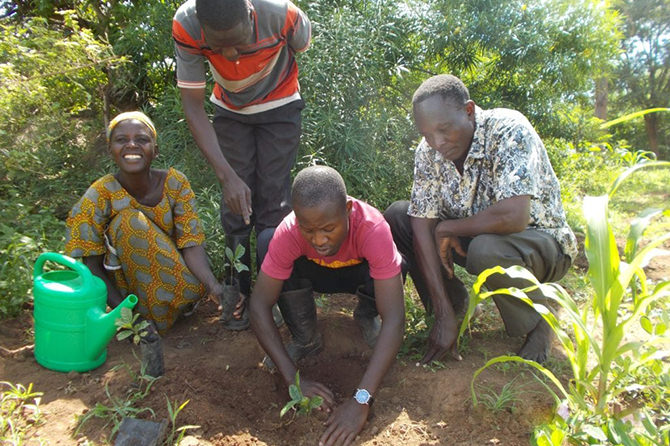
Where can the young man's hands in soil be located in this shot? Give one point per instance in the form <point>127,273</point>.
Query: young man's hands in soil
<point>314,388</point>
<point>344,424</point>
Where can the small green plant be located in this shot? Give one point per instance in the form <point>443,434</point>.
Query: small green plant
<point>506,399</point>
<point>301,403</point>
<point>321,301</point>
<point>17,412</point>
<point>127,326</point>
<point>234,263</point>
<point>119,408</point>
<point>176,433</point>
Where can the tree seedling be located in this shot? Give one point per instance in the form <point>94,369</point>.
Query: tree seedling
<point>234,262</point>
<point>127,325</point>
<point>303,405</point>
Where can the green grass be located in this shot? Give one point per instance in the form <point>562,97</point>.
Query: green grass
<point>649,189</point>
<point>19,411</point>
<point>116,408</point>
<point>176,433</point>
<point>416,325</point>
<point>503,400</point>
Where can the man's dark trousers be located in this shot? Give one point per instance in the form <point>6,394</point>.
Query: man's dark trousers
<point>532,249</point>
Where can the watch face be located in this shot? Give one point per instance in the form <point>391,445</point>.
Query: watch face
<point>362,396</point>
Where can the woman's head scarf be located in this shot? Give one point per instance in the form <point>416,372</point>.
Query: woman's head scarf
<point>137,115</point>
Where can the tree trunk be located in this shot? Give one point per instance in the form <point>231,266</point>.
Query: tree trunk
<point>651,124</point>
<point>602,85</point>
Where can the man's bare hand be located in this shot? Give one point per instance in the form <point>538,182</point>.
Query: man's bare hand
<point>344,424</point>
<point>445,248</point>
<point>442,339</point>
<point>237,196</point>
<point>239,308</point>
<point>313,388</point>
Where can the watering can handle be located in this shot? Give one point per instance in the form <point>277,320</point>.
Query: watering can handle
<point>79,267</point>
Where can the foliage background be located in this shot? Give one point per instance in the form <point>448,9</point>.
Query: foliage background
<point>66,66</point>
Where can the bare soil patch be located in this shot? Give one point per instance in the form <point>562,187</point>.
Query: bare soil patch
<point>237,402</point>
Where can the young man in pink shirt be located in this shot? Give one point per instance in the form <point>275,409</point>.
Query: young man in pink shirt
<point>330,243</point>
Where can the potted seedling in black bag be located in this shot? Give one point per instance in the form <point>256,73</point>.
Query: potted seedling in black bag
<point>231,289</point>
<point>144,334</point>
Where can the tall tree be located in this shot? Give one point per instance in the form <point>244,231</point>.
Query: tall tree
<point>138,31</point>
<point>533,56</point>
<point>644,72</point>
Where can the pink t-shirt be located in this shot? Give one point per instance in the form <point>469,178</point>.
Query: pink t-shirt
<point>369,238</point>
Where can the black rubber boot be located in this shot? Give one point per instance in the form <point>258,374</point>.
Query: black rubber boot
<point>262,243</point>
<point>299,313</point>
<point>276,316</point>
<point>367,317</point>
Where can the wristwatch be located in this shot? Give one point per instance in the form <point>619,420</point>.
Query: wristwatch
<point>362,396</point>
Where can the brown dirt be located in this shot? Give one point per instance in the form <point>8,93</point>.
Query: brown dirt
<point>236,402</point>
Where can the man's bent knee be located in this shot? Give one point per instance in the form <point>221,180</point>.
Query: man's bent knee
<point>397,211</point>
<point>487,251</point>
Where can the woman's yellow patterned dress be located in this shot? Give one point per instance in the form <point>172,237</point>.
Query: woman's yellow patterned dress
<point>141,243</point>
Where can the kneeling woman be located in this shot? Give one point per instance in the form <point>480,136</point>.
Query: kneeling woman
<point>138,229</point>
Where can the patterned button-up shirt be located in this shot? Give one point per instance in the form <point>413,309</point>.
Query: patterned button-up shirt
<point>506,159</point>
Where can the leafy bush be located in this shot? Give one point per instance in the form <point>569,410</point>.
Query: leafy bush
<point>40,142</point>
<point>209,202</point>
<point>524,55</point>
<point>24,234</point>
<point>356,118</point>
<point>47,77</point>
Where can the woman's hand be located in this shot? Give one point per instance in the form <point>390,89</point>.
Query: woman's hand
<point>215,294</point>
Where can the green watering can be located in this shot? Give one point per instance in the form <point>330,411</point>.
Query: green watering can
<point>71,327</point>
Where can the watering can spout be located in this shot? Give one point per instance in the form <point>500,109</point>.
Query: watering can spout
<point>100,326</point>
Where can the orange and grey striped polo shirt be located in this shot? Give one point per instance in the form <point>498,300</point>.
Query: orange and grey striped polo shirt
<point>266,74</point>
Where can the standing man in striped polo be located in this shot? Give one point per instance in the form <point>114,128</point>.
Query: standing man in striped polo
<point>252,140</point>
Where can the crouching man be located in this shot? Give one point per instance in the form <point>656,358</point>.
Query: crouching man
<point>484,194</point>
<point>330,243</point>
